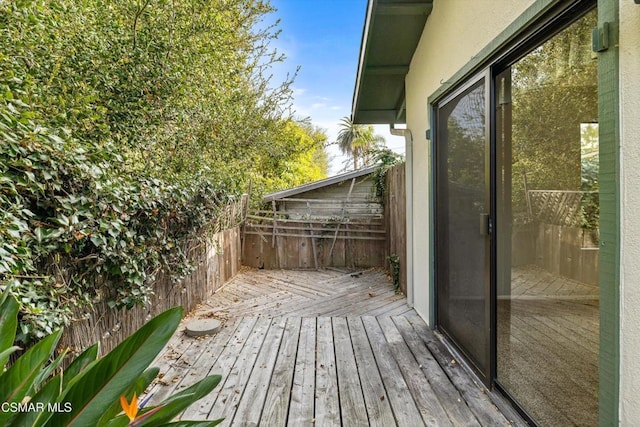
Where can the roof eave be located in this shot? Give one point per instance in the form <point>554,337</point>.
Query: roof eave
<point>361,61</point>
<point>387,72</point>
<point>319,184</point>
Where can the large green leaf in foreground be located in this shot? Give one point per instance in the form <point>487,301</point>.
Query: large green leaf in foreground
<point>101,384</point>
<point>18,381</point>
<point>8,324</point>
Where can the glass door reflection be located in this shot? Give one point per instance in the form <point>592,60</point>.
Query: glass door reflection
<point>548,219</point>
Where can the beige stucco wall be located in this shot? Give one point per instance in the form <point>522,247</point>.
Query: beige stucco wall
<point>630,213</point>
<point>455,31</point>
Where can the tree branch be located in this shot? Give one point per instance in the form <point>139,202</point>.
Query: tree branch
<point>135,22</point>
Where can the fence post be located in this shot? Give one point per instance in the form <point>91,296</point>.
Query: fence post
<point>244,211</point>
<point>313,239</point>
<point>344,209</point>
<point>273,234</point>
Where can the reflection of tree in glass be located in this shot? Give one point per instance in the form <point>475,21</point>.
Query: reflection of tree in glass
<point>589,153</point>
<point>554,90</point>
<point>466,128</point>
<point>590,203</point>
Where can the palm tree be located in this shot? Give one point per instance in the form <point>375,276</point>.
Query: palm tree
<point>357,141</point>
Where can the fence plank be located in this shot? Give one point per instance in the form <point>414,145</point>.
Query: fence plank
<point>359,240</point>
<point>216,261</point>
<point>395,215</point>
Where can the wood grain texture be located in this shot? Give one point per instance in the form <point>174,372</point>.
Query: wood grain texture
<point>322,348</point>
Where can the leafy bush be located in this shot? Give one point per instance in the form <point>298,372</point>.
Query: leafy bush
<point>91,391</point>
<point>71,229</point>
<point>182,88</point>
<point>124,126</point>
<point>385,159</point>
<point>394,265</point>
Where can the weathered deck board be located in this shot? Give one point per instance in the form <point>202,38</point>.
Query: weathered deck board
<point>185,368</point>
<point>431,410</point>
<point>405,410</point>
<point>327,407</point>
<point>238,377</point>
<point>301,407</point>
<point>223,365</point>
<point>327,348</point>
<point>276,403</point>
<point>445,391</point>
<point>375,395</point>
<point>472,393</point>
<point>255,386</point>
<point>305,294</point>
<point>352,406</point>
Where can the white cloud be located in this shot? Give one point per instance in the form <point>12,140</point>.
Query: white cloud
<point>299,91</point>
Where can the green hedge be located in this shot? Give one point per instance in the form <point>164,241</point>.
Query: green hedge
<point>72,229</point>
<point>124,126</point>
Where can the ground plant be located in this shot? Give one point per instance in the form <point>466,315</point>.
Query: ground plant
<point>92,390</point>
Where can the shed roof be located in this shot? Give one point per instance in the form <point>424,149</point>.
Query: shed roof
<point>319,184</point>
<point>390,36</point>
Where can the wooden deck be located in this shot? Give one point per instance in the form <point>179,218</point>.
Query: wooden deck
<point>323,348</point>
<point>551,328</point>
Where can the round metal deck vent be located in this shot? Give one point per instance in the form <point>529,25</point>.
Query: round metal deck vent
<point>200,327</point>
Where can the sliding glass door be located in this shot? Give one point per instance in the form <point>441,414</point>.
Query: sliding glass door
<point>463,223</point>
<point>517,223</point>
<point>547,275</point>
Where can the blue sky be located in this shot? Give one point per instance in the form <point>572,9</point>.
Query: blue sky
<point>323,38</point>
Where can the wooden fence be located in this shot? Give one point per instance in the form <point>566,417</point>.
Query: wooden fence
<point>396,220</point>
<point>560,207</point>
<point>273,241</point>
<point>216,259</point>
<point>553,236</point>
<point>363,235</point>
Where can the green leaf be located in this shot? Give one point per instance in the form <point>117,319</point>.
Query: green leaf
<point>46,372</point>
<point>16,382</point>
<point>94,391</point>
<point>138,388</point>
<point>90,354</point>
<point>38,233</point>
<point>5,294</point>
<point>175,404</point>
<point>47,395</point>
<point>62,220</point>
<point>123,420</point>
<point>8,325</point>
<point>119,421</point>
<point>4,355</point>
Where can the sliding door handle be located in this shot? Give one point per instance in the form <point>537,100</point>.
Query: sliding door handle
<point>485,224</point>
